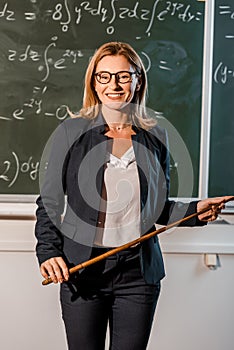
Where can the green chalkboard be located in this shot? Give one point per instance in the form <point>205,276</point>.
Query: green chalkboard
<point>221,180</point>
<point>45,47</point>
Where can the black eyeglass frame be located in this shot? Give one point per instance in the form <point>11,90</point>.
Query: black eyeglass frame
<point>116,76</point>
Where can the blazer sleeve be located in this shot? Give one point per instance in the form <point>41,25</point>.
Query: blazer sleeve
<point>174,210</point>
<point>52,193</point>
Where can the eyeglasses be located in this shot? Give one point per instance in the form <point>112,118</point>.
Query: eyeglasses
<point>122,77</point>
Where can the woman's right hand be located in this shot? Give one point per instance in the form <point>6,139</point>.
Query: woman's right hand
<point>56,269</point>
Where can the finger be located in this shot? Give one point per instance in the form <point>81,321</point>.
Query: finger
<point>57,270</point>
<point>51,272</point>
<point>217,206</point>
<point>221,200</point>
<point>206,215</point>
<point>43,271</point>
<point>214,213</point>
<point>228,198</point>
<point>219,209</point>
<point>210,215</point>
<point>47,271</point>
<point>64,268</point>
<point>213,217</point>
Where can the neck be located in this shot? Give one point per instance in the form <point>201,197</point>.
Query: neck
<point>117,127</point>
<point>115,117</point>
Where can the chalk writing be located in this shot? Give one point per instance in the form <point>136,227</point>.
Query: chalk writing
<point>7,13</point>
<point>47,62</point>
<point>13,168</point>
<point>227,10</point>
<point>112,13</point>
<point>45,48</point>
<point>108,12</point>
<point>223,74</point>
<point>35,105</point>
<point>221,165</point>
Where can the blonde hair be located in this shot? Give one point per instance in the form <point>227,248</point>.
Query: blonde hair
<point>91,102</point>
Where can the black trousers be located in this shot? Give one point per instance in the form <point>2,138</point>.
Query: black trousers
<point>114,291</point>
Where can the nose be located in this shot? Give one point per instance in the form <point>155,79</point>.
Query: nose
<point>114,82</point>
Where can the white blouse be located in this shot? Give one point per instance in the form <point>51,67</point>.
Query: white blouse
<point>122,221</point>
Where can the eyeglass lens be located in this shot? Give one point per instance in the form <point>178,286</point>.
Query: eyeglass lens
<point>122,77</point>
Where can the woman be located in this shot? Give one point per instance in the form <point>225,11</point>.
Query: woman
<point>112,161</point>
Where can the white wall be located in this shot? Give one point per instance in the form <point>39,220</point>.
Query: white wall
<point>195,310</point>
<point>30,314</point>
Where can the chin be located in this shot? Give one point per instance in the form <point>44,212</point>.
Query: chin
<point>116,105</point>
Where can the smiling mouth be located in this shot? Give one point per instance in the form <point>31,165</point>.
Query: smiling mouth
<point>114,95</point>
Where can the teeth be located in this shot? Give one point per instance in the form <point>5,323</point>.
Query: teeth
<point>114,95</point>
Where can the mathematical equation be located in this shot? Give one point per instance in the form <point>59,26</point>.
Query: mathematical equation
<point>34,105</point>
<point>223,73</point>
<point>50,58</point>
<point>14,168</point>
<point>227,10</point>
<point>45,49</point>
<point>65,14</point>
<point>51,61</point>
<point>47,62</point>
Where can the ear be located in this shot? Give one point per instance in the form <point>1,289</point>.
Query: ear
<point>138,85</point>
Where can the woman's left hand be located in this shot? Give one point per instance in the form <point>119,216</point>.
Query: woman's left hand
<point>215,204</point>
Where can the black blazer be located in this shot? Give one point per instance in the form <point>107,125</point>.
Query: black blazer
<point>74,165</point>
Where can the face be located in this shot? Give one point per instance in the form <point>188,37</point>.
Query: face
<point>115,93</point>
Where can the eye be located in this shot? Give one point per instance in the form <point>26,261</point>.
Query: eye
<point>104,77</point>
<point>124,75</point>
